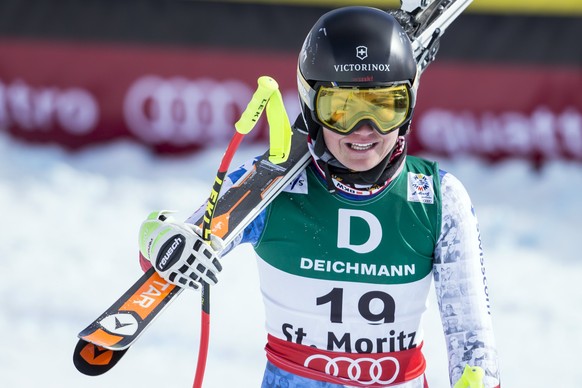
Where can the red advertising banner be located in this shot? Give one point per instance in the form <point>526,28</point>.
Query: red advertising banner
<point>167,98</point>
<point>181,98</point>
<point>499,111</point>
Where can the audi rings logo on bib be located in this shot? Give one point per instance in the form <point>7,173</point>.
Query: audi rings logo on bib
<point>181,111</point>
<point>364,370</point>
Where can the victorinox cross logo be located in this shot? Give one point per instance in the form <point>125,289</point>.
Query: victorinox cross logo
<point>361,52</point>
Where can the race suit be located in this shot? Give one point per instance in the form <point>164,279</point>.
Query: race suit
<point>345,280</point>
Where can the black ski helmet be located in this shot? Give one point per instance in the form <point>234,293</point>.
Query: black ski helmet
<point>356,47</point>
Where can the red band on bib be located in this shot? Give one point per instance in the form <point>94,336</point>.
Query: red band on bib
<point>354,369</point>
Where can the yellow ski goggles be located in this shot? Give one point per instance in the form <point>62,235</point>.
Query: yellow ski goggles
<point>341,109</point>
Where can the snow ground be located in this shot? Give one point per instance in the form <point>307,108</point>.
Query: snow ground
<point>68,249</point>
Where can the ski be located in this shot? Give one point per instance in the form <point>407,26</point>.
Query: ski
<point>106,339</point>
<point>425,22</point>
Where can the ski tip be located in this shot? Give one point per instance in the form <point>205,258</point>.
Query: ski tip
<point>93,360</point>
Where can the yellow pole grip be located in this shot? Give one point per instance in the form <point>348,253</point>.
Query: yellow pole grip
<point>472,378</point>
<point>280,129</point>
<point>249,118</point>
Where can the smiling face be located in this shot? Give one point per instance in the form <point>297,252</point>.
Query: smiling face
<point>362,149</point>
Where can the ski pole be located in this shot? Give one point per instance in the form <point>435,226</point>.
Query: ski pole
<point>472,377</point>
<point>267,86</point>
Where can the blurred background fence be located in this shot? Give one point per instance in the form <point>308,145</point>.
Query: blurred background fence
<point>174,75</point>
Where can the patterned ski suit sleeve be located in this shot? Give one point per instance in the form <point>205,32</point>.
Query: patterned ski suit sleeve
<point>461,286</point>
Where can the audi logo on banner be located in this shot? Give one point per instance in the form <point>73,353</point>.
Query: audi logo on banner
<point>181,111</point>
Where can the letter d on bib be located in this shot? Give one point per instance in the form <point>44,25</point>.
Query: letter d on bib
<point>343,232</point>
